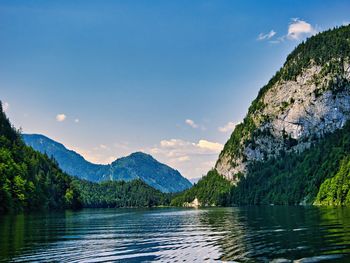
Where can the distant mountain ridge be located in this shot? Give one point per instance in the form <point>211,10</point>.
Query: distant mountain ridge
<point>135,166</point>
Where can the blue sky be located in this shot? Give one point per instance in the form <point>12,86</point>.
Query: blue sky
<point>170,78</point>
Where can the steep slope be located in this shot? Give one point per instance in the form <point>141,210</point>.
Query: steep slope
<point>70,161</point>
<point>300,178</point>
<point>30,180</point>
<point>293,146</point>
<point>306,99</point>
<point>135,166</point>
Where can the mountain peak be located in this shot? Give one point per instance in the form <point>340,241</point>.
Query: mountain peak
<point>137,165</point>
<point>140,154</point>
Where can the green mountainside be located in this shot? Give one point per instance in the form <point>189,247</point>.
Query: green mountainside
<point>30,180</point>
<point>293,146</point>
<point>134,193</point>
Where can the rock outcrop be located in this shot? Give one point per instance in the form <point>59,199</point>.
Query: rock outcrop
<point>308,98</point>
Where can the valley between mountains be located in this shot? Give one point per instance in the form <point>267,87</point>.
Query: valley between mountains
<point>292,148</point>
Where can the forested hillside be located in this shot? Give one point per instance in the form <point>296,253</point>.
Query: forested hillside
<point>211,190</point>
<point>30,180</point>
<point>135,193</point>
<point>293,146</point>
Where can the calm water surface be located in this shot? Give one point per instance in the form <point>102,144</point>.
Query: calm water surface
<point>246,234</point>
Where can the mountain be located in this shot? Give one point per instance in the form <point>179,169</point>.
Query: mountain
<point>152,172</point>
<point>30,180</point>
<point>306,99</point>
<point>135,166</point>
<point>70,161</point>
<point>293,145</point>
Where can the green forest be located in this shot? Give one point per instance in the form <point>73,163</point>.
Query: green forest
<point>211,190</point>
<point>30,180</point>
<point>134,193</point>
<point>294,178</point>
<point>320,175</point>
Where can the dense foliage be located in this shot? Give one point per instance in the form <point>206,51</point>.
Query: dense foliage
<point>331,45</point>
<point>319,174</point>
<point>295,177</point>
<point>335,191</point>
<point>30,180</point>
<point>135,193</point>
<point>212,189</point>
<point>136,165</point>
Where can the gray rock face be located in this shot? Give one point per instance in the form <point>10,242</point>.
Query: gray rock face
<point>295,113</point>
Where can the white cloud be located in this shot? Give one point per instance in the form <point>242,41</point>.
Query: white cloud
<point>76,120</point>
<point>5,106</point>
<point>100,154</point>
<point>229,127</point>
<point>175,148</point>
<point>345,23</point>
<point>191,123</point>
<point>192,159</point>
<point>60,117</point>
<point>297,29</point>
<point>268,35</point>
<point>173,143</point>
<point>211,146</point>
<point>122,145</point>
<point>183,158</point>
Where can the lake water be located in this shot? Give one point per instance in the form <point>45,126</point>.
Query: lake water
<point>245,234</point>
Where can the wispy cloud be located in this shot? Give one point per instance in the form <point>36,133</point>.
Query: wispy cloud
<point>76,120</point>
<point>193,159</point>
<point>102,146</point>
<point>228,127</point>
<point>184,158</point>
<point>179,147</point>
<point>298,29</point>
<point>214,147</point>
<point>263,36</point>
<point>60,117</point>
<point>96,155</point>
<point>191,123</point>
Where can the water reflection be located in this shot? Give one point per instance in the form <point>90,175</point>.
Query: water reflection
<point>245,234</point>
<point>264,234</point>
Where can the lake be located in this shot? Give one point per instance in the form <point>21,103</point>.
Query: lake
<point>243,234</point>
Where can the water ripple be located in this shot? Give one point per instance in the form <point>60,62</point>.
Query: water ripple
<point>248,234</point>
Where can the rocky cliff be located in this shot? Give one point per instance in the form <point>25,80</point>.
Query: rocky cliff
<point>306,99</point>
